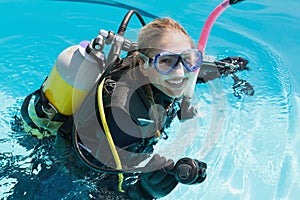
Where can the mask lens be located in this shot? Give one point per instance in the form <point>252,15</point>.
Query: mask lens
<point>190,58</point>
<point>166,61</point>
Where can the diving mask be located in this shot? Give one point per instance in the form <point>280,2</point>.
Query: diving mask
<point>165,62</point>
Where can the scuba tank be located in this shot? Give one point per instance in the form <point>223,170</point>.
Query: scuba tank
<point>71,78</point>
<point>76,71</point>
<point>73,75</point>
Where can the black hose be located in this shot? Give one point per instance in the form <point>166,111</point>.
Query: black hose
<point>231,2</point>
<point>124,24</point>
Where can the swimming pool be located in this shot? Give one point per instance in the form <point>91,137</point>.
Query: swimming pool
<point>251,145</point>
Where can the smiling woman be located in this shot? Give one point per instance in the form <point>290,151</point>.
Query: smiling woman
<point>108,130</point>
<point>175,76</point>
<point>249,143</point>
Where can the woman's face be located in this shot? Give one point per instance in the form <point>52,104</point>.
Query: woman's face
<point>174,83</point>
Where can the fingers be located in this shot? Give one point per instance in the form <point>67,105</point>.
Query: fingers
<point>157,162</point>
<point>168,183</point>
<point>159,176</point>
<point>158,181</point>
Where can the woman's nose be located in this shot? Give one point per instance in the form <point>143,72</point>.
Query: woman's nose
<point>179,69</point>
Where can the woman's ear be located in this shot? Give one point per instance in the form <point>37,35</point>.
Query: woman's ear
<point>143,66</point>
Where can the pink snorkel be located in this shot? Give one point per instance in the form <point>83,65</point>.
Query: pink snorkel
<point>205,33</point>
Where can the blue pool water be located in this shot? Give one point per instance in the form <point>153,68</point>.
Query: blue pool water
<point>251,144</point>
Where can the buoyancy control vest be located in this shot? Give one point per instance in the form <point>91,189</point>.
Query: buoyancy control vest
<point>128,111</point>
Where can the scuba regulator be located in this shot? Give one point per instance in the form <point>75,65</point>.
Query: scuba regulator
<point>190,171</point>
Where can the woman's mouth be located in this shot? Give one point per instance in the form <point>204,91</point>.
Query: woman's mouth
<point>176,83</point>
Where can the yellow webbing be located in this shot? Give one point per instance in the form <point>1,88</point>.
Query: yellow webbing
<point>108,135</point>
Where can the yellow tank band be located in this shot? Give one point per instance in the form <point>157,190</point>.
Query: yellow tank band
<point>62,95</point>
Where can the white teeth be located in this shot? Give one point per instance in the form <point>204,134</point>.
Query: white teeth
<point>175,81</point>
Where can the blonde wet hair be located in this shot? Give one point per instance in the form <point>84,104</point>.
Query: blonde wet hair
<point>152,35</point>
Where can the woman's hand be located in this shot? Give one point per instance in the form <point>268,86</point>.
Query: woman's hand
<point>157,182</point>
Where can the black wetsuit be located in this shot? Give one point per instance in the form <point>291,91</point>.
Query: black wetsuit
<point>132,127</point>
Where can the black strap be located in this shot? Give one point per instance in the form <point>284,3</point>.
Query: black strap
<point>65,130</point>
<point>42,102</point>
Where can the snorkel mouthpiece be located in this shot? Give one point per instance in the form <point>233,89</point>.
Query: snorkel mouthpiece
<point>231,2</point>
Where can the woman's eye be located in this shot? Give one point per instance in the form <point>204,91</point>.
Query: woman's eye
<point>188,60</point>
<point>166,60</point>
